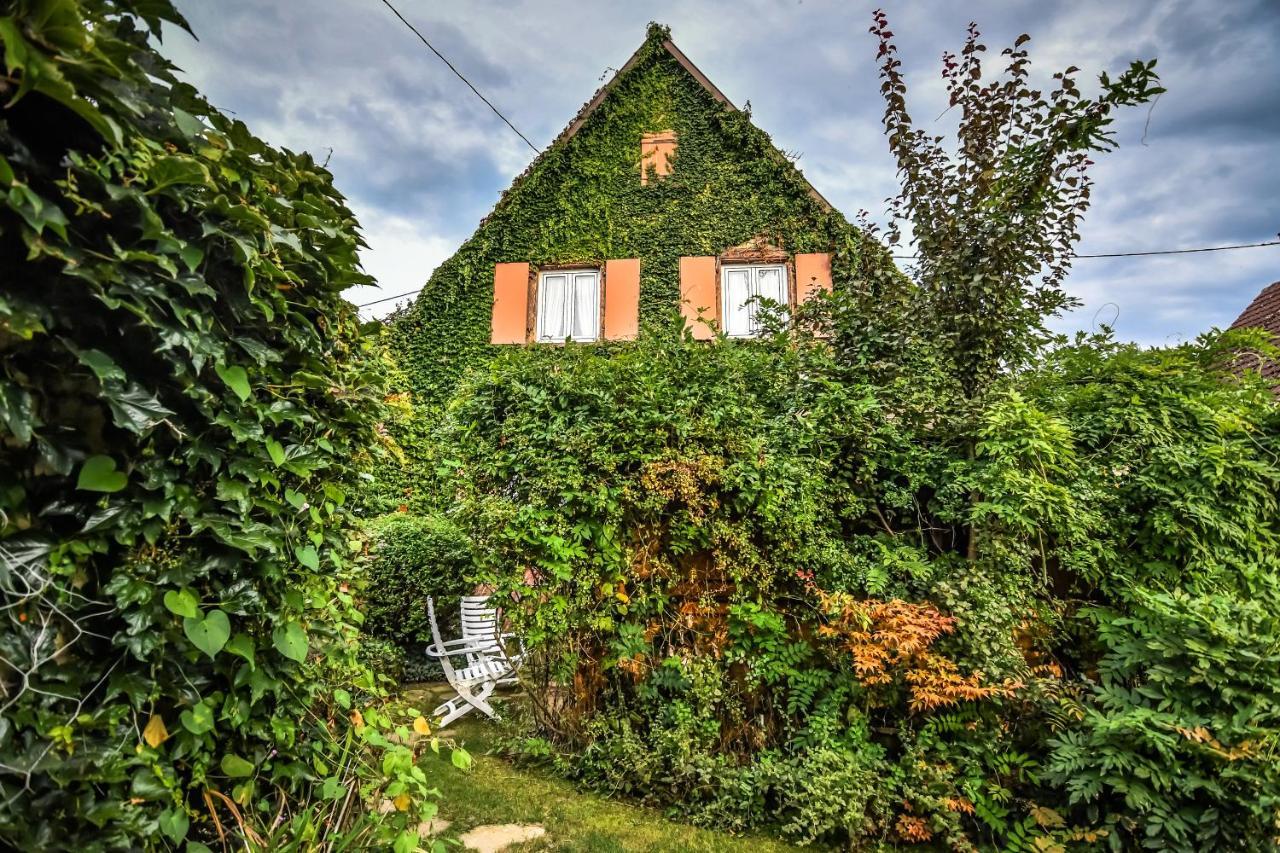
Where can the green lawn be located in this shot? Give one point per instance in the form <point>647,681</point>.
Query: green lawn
<point>496,792</point>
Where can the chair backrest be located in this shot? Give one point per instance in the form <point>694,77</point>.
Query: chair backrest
<point>479,619</point>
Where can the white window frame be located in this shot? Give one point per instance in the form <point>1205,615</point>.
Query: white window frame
<point>570,305</point>
<point>753,302</point>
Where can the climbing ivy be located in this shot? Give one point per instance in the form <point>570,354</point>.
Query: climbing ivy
<point>581,201</point>
<point>185,400</point>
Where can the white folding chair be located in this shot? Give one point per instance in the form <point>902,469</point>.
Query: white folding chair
<point>483,646</point>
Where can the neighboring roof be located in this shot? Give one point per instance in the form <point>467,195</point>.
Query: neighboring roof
<point>590,107</point>
<point>1264,313</point>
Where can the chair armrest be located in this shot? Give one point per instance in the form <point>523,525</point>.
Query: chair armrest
<point>450,648</point>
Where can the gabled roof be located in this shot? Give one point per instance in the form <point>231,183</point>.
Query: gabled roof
<point>670,47</point>
<point>1264,313</point>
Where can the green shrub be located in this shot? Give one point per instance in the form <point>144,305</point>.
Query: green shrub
<point>185,399</point>
<point>412,558</point>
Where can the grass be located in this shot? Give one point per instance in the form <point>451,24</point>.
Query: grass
<point>496,792</point>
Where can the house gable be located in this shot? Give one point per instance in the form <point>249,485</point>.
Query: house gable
<point>582,203</point>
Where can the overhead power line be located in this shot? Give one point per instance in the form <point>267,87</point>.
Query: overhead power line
<point>913,257</point>
<point>461,77</point>
<point>1156,252</point>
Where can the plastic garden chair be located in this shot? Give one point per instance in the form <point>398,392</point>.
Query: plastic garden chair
<point>483,647</point>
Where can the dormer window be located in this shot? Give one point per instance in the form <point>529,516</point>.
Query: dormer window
<point>742,286</point>
<point>568,306</point>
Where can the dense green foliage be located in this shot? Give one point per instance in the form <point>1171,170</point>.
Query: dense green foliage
<point>184,400</point>
<point>411,558</point>
<point>910,571</point>
<point>752,585</point>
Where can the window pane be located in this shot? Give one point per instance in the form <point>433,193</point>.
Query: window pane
<point>586,310</point>
<point>737,290</point>
<point>770,284</point>
<point>552,304</point>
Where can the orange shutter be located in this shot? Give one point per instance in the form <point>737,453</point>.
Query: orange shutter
<point>698,295</point>
<point>621,299</point>
<point>510,304</point>
<point>813,274</point>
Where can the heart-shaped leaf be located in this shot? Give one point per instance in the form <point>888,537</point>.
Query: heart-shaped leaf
<point>210,633</point>
<point>174,823</point>
<point>198,719</point>
<point>99,474</point>
<point>182,602</point>
<point>296,499</point>
<point>333,788</point>
<point>290,640</point>
<point>236,378</point>
<point>242,645</point>
<point>308,557</point>
<point>235,766</point>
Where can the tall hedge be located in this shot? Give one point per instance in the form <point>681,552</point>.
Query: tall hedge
<point>183,397</point>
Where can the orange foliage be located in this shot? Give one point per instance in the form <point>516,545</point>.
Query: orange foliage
<point>913,830</point>
<point>888,639</point>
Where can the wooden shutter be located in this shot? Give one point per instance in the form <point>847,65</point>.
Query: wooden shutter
<point>622,299</point>
<point>813,275</point>
<point>510,323</point>
<point>698,295</point>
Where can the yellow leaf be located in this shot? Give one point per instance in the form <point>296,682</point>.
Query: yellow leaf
<point>401,802</point>
<point>155,733</point>
<point>357,719</point>
<point>1046,817</point>
<point>420,726</point>
<point>623,597</point>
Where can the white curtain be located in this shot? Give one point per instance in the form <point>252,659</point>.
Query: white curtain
<point>737,291</point>
<point>770,284</point>
<point>552,303</point>
<point>586,311</point>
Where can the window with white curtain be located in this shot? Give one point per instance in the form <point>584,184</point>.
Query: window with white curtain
<point>568,305</point>
<point>741,288</point>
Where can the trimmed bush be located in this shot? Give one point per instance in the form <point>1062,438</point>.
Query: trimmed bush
<point>411,558</point>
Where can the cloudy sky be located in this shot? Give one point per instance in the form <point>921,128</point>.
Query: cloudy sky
<point>422,159</point>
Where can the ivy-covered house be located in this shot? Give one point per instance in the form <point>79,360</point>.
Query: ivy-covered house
<point>659,200</point>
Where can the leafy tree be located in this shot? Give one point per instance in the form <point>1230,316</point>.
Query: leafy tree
<point>995,216</point>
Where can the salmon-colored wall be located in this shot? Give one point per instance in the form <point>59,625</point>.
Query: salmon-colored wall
<point>657,150</point>
<point>510,323</point>
<point>813,275</point>
<point>622,299</point>
<point>698,295</point>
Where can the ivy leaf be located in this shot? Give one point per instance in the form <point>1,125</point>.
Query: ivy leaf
<point>343,698</point>
<point>99,474</point>
<point>333,789</point>
<point>236,379</point>
<point>243,646</point>
<point>295,499</point>
<point>101,364</point>
<point>176,169</point>
<point>235,766</point>
<point>461,759</point>
<point>290,640</point>
<point>135,409</point>
<point>174,823</point>
<point>210,633</point>
<point>198,719</point>
<point>308,557</point>
<point>275,450</point>
<point>182,602</point>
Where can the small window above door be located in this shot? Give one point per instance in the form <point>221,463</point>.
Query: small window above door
<point>742,286</point>
<point>568,306</point>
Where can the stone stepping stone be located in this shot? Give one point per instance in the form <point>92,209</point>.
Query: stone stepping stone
<point>497,837</point>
